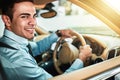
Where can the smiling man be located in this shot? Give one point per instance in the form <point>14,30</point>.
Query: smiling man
<point>23,23</point>
<point>19,17</point>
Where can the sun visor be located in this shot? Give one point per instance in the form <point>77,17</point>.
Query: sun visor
<point>40,2</point>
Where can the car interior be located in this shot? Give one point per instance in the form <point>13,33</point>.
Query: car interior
<point>97,21</point>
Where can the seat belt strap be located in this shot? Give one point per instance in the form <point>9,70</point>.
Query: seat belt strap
<point>6,45</point>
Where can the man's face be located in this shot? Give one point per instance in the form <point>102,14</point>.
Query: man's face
<point>24,20</point>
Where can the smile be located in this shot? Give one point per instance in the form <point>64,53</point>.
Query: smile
<point>30,30</point>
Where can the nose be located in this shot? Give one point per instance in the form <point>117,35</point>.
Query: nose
<point>32,21</point>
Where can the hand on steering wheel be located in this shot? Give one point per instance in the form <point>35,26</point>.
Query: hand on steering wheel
<point>57,62</point>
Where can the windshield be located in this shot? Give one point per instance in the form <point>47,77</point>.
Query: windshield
<point>74,17</point>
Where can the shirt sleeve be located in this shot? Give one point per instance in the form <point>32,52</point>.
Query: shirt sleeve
<point>117,77</point>
<point>28,70</point>
<point>44,44</point>
<point>77,64</point>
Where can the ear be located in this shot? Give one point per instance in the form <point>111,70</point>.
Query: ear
<point>6,20</point>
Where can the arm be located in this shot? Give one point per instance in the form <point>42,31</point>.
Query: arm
<point>85,53</point>
<point>43,45</point>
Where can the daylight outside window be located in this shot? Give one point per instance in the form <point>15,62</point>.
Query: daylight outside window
<point>73,17</point>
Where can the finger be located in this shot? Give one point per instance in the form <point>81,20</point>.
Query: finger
<point>81,47</point>
<point>86,46</point>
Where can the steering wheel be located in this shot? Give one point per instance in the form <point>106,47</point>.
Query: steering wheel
<point>57,62</point>
<point>68,48</point>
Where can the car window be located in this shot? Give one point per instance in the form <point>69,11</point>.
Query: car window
<point>71,16</point>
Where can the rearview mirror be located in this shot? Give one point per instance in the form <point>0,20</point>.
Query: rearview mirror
<point>49,14</point>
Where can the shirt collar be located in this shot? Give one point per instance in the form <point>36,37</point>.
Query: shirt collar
<point>13,36</point>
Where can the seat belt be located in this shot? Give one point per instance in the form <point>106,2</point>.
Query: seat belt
<point>5,45</point>
<point>8,46</point>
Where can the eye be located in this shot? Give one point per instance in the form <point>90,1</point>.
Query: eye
<point>24,16</point>
<point>35,15</point>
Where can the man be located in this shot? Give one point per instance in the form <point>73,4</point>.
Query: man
<point>19,17</point>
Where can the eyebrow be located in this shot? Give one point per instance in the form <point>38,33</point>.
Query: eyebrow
<point>27,14</point>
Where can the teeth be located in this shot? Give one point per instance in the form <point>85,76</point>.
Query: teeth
<point>29,29</point>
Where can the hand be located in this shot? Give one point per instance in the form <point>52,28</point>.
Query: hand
<point>85,52</point>
<point>67,33</point>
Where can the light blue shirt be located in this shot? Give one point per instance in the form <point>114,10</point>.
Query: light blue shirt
<point>18,64</point>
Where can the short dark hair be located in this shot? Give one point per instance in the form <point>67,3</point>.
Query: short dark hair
<point>7,6</point>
